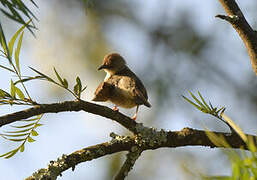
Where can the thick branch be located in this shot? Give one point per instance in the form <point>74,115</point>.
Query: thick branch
<point>153,140</point>
<point>237,20</point>
<point>70,106</point>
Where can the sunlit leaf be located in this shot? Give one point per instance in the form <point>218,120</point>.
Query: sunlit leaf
<point>22,147</point>
<point>14,135</point>
<point>28,79</point>
<point>235,127</point>
<point>10,153</point>
<point>13,88</point>
<point>58,77</point>
<point>43,75</point>
<point>27,125</point>
<point>65,83</point>
<point>11,43</point>
<point>34,133</point>
<point>31,139</point>
<point>20,131</point>
<point>19,93</point>
<point>38,124</point>
<point>17,53</point>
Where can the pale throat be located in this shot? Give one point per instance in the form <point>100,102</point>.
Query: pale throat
<point>108,74</point>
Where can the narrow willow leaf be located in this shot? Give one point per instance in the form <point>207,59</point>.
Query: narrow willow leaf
<point>19,93</point>
<point>10,153</point>
<point>38,124</point>
<point>14,135</point>
<point>27,125</point>
<point>31,139</point>
<point>7,68</point>
<point>13,152</point>
<point>206,105</point>
<point>22,148</point>
<point>28,79</point>
<point>34,133</point>
<point>195,98</point>
<point>79,84</point>
<point>17,53</point>
<point>65,83</point>
<point>2,94</point>
<point>58,77</point>
<point>20,131</point>
<point>33,119</point>
<point>13,88</point>
<point>4,44</point>
<point>15,140</point>
<point>76,89</point>
<point>191,102</point>
<point>235,127</point>
<point>217,140</point>
<point>43,75</point>
<point>11,43</point>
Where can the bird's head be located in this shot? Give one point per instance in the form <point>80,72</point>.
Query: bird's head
<point>113,63</point>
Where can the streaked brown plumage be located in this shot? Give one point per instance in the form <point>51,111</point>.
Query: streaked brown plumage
<point>121,86</point>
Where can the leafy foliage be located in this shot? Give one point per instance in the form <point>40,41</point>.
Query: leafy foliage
<point>22,133</point>
<point>17,9</point>
<point>243,164</point>
<point>201,105</point>
<point>62,82</point>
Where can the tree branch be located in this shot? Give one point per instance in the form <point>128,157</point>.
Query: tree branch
<point>148,139</point>
<point>248,35</point>
<point>78,105</point>
<point>132,156</point>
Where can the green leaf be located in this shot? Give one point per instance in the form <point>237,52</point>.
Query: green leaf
<point>22,148</point>
<point>7,68</point>
<point>58,77</point>
<point>65,83</point>
<point>191,102</point>
<point>76,89</point>
<point>206,105</point>
<point>79,83</point>
<point>43,75</point>
<point>14,135</point>
<point>28,79</point>
<point>11,43</point>
<point>27,125</point>
<point>10,153</point>
<point>31,139</point>
<point>3,43</point>
<point>13,88</point>
<point>2,94</point>
<point>19,93</point>
<point>15,140</point>
<point>195,98</point>
<point>17,53</point>
<point>38,124</point>
<point>20,131</point>
<point>34,133</point>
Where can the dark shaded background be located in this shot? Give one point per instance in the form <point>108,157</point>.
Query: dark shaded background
<point>172,46</point>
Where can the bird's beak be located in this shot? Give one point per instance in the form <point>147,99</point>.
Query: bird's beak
<point>103,67</point>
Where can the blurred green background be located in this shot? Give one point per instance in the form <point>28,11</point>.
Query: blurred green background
<point>173,46</point>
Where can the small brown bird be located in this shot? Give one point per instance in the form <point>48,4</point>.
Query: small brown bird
<point>121,86</point>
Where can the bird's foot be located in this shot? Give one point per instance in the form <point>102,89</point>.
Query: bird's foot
<point>134,117</point>
<point>115,108</point>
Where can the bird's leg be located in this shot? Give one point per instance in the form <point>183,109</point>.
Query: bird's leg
<point>115,108</point>
<point>135,115</point>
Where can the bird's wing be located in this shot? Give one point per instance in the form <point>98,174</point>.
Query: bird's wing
<point>139,91</point>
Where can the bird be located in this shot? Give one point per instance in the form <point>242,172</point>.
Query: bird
<point>120,86</point>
